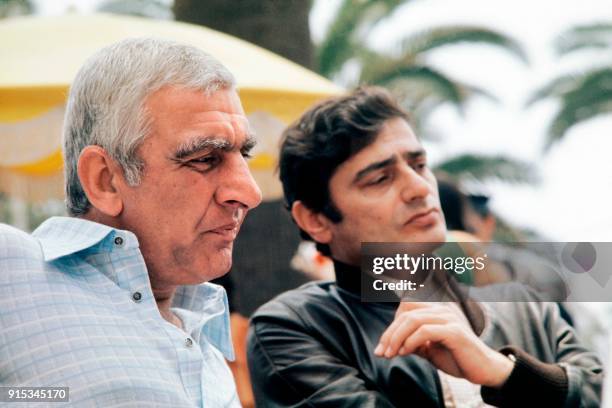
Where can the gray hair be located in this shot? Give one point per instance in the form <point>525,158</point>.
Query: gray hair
<point>106,102</point>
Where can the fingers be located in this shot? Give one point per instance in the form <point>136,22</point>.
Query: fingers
<point>423,351</point>
<point>383,343</point>
<point>404,326</point>
<point>427,334</point>
<point>407,328</point>
<point>441,334</point>
<point>401,309</point>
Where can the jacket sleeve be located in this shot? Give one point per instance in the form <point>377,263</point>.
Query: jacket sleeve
<point>291,367</point>
<point>574,380</point>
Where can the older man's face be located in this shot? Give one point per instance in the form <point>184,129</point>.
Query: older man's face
<point>196,188</point>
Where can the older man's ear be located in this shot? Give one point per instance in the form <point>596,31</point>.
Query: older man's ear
<point>100,177</point>
<point>315,224</point>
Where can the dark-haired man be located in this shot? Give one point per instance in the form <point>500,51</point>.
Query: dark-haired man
<point>353,171</point>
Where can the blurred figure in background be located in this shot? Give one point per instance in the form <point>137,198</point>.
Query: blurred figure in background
<point>472,224</point>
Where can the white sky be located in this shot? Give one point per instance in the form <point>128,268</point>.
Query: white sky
<point>572,202</point>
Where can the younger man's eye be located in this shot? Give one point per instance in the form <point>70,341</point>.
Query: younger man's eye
<point>378,180</point>
<point>420,166</point>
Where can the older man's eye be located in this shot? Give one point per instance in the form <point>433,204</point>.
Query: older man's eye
<point>206,162</point>
<point>247,155</point>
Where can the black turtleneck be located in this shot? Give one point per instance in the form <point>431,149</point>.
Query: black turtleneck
<point>348,277</point>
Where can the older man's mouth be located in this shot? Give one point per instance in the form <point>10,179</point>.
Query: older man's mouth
<point>228,231</point>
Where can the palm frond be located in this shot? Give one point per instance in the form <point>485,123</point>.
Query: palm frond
<point>421,86</point>
<point>472,90</point>
<point>573,114</point>
<point>438,84</point>
<point>591,36</point>
<point>483,168</point>
<point>157,9</point>
<point>427,40</point>
<point>10,8</point>
<point>555,88</point>
<point>354,17</point>
<point>590,96</point>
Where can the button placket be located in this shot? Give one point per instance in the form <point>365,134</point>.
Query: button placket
<point>137,297</point>
<point>188,342</point>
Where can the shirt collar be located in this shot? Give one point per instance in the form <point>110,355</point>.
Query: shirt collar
<point>207,315</point>
<point>63,236</point>
<point>206,304</point>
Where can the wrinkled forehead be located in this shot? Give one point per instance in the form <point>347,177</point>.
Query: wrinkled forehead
<point>395,137</point>
<point>177,114</point>
<point>237,121</point>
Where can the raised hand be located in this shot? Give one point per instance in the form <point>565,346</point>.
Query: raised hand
<point>440,333</point>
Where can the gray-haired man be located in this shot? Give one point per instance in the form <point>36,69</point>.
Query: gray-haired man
<point>110,301</point>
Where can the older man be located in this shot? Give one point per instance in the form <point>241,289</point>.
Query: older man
<point>353,171</point>
<point>110,301</point>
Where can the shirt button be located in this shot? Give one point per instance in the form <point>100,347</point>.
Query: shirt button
<point>188,342</point>
<point>136,297</point>
<point>118,241</point>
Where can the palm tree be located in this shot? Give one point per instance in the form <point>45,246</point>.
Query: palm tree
<point>420,87</point>
<point>582,95</point>
<point>157,9</point>
<point>279,26</point>
<point>10,8</point>
<point>483,167</point>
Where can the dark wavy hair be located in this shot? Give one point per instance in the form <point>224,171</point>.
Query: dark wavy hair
<point>323,138</point>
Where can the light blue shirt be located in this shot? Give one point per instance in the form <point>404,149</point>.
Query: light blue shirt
<point>77,310</point>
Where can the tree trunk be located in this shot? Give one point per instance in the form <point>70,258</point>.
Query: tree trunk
<point>280,26</point>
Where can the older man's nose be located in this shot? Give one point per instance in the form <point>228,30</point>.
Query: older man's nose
<point>239,187</point>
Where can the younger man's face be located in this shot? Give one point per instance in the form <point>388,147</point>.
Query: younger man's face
<point>385,193</point>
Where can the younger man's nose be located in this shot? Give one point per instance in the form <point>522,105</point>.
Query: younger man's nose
<point>414,186</point>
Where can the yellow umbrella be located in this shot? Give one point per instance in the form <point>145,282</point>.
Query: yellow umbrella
<point>41,55</point>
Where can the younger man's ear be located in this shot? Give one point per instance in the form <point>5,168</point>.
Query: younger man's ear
<point>99,176</point>
<point>315,224</point>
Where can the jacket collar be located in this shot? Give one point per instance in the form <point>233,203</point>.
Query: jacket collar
<point>348,277</point>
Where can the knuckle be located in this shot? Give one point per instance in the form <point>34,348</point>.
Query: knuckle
<point>457,329</point>
<point>426,330</point>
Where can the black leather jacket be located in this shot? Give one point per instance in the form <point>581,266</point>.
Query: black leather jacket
<point>313,346</point>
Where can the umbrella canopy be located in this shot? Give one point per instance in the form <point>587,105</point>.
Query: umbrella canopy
<point>41,55</point>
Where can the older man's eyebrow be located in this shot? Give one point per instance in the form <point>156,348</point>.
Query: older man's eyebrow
<point>373,167</point>
<point>198,144</point>
<point>249,143</point>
